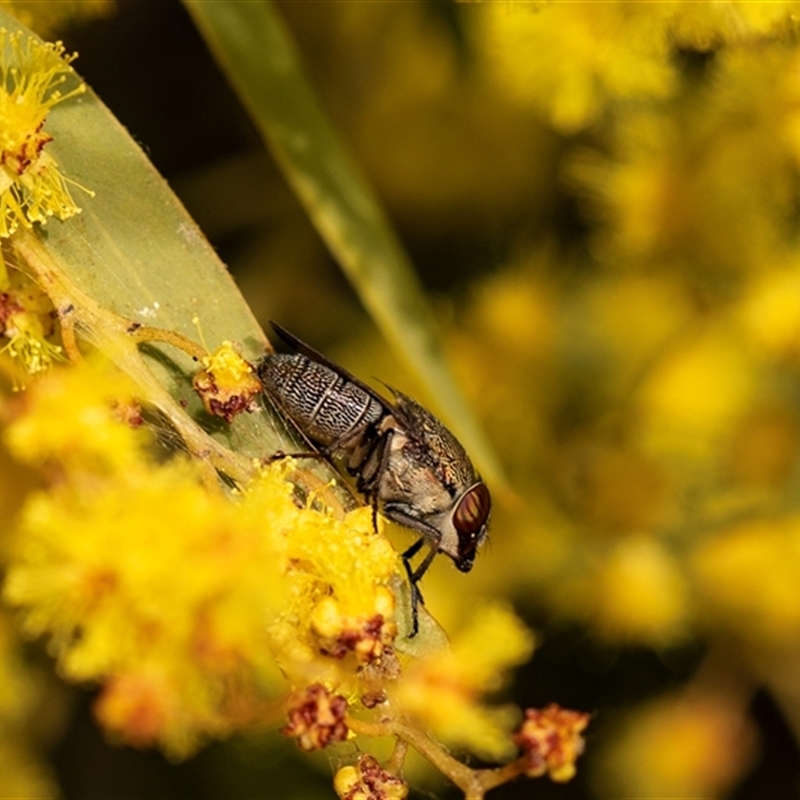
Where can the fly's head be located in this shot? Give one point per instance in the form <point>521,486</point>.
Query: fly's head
<point>470,519</point>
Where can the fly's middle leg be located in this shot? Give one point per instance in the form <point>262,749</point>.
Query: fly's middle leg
<point>279,455</point>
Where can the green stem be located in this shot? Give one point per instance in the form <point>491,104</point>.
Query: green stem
<point>473,782</point>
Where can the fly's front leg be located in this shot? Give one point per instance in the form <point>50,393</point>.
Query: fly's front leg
<point>399,512</point>
<point>414,576</point>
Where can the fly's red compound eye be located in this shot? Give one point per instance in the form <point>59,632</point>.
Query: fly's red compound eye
<point>469,520</point>
<point>473,510</point>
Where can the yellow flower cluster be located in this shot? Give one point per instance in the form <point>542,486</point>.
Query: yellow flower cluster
<point>357,617</point>
<point>189,653</point>
<point>27,321</point>
<point>32,188</point>
<point>643,391</point>
<point>443,692</point>
<point>197,612</point>
<point>673,193</point>
<point>570,62</point>
<point>316,718</point>
<point>552,739</point>
<point>573,61</point>
<point>368,781</point>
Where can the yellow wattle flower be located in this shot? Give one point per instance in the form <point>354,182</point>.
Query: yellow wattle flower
<point>31,186</point>
<point>227,384</point>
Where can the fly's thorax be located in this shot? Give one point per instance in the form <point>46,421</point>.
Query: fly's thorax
<point>412,480</point>
<point>435,444</point>
<point>327,408</point>
<point>454,517</point>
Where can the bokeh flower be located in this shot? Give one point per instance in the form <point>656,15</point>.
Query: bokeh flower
<point>748,577</point>
<point>266,584</point>
<point>551,739</point>
<point>445,691</point>
<point>46,18</point>
<point>570,70</point>
<point>692,745</point>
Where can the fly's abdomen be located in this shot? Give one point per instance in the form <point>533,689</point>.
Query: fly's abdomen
<point>328,409</point>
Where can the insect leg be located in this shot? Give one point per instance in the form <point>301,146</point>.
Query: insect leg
<point>414,576</point>
<point>372,465</point>
<point>370,470</point>
<point>414,549</point>
<point>278,455</point>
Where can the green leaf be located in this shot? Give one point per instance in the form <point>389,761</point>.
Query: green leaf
<point>254,48</point>
<point>136,252</point>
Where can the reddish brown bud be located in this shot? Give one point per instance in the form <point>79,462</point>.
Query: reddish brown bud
<point>316,718</point>
<point>227,384</point>
<point>367,780</point>
<point>551,740</point>
<point>368,640</point>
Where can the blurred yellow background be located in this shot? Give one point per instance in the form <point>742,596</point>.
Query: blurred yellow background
<point>603,203</point>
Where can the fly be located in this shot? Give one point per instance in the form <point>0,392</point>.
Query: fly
<point>406,463</point>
